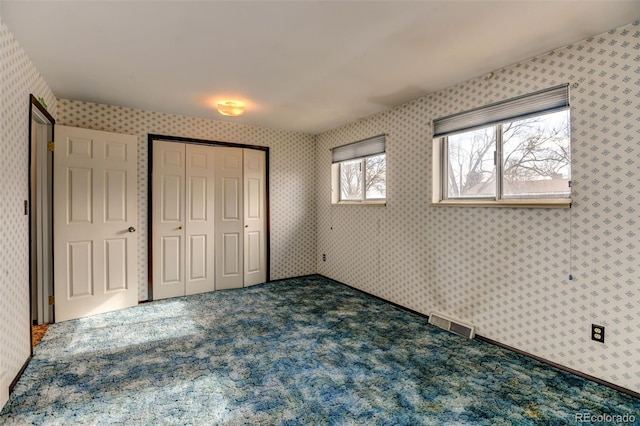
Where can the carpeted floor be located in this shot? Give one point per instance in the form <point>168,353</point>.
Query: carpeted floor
<point>297,352</point>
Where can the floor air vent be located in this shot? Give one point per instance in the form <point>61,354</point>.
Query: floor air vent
<point>454,326</point>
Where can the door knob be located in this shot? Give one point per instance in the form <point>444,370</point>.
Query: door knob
<point>246,226</point>
<point>180,227</point>
<point>132,229</point>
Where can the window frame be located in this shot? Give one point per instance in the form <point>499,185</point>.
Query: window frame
<point>362,153</point>
<point>440,189</point>
<point>363,169</point>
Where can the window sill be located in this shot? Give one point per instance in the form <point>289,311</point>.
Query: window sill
<point>547,203</point>
<point>360,203</point>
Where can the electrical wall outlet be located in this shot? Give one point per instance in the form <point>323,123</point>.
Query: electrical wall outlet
<point>597,333</point>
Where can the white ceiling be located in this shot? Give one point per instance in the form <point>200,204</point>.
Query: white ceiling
<point>307,66</point>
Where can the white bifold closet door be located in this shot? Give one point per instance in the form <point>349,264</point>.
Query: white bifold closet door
<point>183,221</point>
<point>254,217</point>
<point>229,218</point>
<point>202,218</point>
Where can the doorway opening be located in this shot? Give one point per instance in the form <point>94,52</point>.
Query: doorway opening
<point>39,207</point>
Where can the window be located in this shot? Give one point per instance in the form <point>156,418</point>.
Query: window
<point>360,172</point>
<point>513,152</point>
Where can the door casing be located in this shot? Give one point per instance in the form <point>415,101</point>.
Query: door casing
<point>40,209</point>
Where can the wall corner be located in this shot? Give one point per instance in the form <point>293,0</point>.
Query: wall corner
<point>4,389</point>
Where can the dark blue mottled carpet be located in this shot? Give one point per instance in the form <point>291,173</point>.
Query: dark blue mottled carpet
<point>296,352</point>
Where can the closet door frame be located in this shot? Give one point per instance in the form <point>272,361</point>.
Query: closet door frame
<point>151,138</point>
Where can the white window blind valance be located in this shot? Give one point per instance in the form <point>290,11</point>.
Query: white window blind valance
<point>363,148</point>
<point>547,100</point>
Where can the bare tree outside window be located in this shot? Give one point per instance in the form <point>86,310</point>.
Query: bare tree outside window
<point>472,172</point>
<point>537,156</point>
<point>375,184</point>
<point>351,180</point>
<point>363,176</point>
<point>536,159</point>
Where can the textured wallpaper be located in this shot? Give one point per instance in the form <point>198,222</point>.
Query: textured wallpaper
<point>505,269</point>
<point>291,174</point>
<point>19,79</point>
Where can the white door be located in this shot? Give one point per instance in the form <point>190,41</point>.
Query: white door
<point>183,227</point>
<point>209,218</point>
<point>95,216</point>
<point>254,217</point>
<point>229,218</point>
<point>168,206</point>
<point>199,230</point>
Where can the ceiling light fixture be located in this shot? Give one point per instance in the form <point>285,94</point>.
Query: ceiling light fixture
<point>230,108</point>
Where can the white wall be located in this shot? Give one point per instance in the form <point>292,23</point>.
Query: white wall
<point>19,78</point>
<point>507,270</point>
<point>291,174</point>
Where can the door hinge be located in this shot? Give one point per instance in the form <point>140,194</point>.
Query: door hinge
<point>51,146</point>
<point>52,300</point>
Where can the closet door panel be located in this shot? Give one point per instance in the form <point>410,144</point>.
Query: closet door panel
<point>200,226</point>
<point>229,218</point>
<point>168,204</point>
<point>171,255</point>
<point>254,217</point>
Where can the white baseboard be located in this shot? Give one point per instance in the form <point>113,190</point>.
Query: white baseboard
<point>4,388</point>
